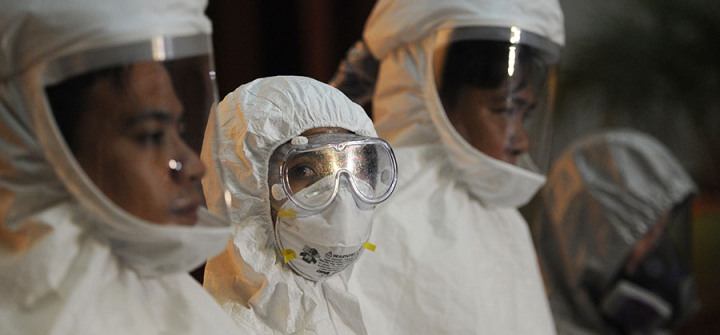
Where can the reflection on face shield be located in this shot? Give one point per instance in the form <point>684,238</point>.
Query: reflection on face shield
<point>136,130</point>
<point>495,95</point>
<point>312,173</point>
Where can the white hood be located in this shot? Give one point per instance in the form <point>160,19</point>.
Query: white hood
<point>407,108</point>
<point>454,255</point>
<point>250,279</point>
<point>38,168</point>
<point>397,23</point>
<point>604,194</point>
<point>62,240</point>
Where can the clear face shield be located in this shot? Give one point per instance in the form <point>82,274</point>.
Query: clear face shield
<point>496,86</point>
<point>134,118</point>
<point>310,171</point>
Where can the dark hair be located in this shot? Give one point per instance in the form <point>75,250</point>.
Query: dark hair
<point>482,64</point>
<point>68,99</point>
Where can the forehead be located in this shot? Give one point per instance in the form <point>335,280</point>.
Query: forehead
<point>147,87</point>
<point>325,130</point>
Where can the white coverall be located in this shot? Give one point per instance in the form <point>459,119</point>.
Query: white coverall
<point>453,256</point>
<point>71,261</point>
<point>605,193</point>
<point>250,279</point>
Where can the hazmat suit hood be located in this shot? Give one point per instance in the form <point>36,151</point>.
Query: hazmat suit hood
<point>250,279</point>
<point>604,194</point>
<point>402,34</point>
<point>66,250</point>
<point>454,255</point>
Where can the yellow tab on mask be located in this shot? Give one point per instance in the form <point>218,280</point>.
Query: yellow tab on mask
<point>286,213</point>
<point>289,255</point>
<point>369,246</point>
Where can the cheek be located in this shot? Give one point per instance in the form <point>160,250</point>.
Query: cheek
<point>491,133</point>
<point>139,182</point>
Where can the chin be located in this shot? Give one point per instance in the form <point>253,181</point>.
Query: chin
<point>510,159</point>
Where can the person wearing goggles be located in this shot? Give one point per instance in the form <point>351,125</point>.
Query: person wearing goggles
<point>613,237</point>
<point>463,93</point>
<point>306,173</point>
<point>102,215</point>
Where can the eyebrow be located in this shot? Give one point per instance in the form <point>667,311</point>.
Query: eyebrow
<point>152,115</point>
<point>522,85</point>
<point>514,92</point>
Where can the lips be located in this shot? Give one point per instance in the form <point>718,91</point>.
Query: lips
<point>511,155</point>
<point>184,213</point>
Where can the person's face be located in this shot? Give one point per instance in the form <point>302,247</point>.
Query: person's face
<point>491,120</point>
<point>303,173</point>
<point>645,245</point>
<point>129,141</point>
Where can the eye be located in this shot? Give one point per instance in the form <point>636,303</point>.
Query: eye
<point>509,111</point>
<point>182,131</point>
<point>151,138</point>
<point>301,172</point>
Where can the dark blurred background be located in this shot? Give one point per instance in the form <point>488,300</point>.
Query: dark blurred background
<point>652,65</point>
<point>255,38</point>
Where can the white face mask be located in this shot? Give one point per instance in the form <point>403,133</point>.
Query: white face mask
<point>321,245</point>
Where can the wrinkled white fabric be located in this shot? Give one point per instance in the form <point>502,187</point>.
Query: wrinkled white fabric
<point>249,279</point>
<point>604,194</point>
<point>337,235</point>
<point>396,23</point>
<point>454,255</point>
<point>71,261</point>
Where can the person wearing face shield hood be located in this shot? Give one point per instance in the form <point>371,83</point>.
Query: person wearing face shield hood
<point>464,95</point>
<point>613,237</point>
<point>306,171</point>
<point>101,215</point>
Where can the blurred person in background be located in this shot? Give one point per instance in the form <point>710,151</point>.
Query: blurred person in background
<point>101,215</point>
<point>613,237</point>
<point>464,94</point>
<point>305,170</point>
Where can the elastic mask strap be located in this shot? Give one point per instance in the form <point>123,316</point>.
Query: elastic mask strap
<point>285,213</point>
<point>288,255</point>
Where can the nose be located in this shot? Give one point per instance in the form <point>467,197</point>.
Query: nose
<point>186,166</point>
<point>520,142</point>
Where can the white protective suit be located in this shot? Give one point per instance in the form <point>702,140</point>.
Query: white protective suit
<point>604,194</point>
<point>454,255</point>
<point>72,261</point>
<point>250,279</point>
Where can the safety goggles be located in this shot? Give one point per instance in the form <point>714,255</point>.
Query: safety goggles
<point>314,168</point>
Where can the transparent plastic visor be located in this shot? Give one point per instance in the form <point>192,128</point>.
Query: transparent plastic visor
<point>134,118</point>
<point>496,86</point>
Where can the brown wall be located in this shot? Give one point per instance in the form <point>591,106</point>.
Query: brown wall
<point>256,38</point>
